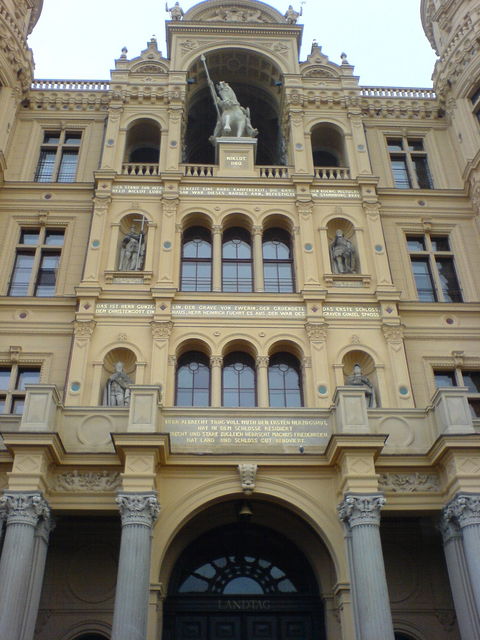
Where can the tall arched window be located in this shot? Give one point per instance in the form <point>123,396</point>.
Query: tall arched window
<point>239,381</point>
<point>284,381</point>
<point>196,272</point>
<point>237,267</point>
<point>193,380</point>
<point>277,261</point>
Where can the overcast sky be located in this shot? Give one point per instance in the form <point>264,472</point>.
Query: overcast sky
<point>384,39</point>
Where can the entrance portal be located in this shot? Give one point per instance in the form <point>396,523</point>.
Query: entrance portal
<point>243,582</point>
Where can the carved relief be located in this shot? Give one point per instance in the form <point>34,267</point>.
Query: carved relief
<point>361,510</point>
<point>409,482</point>
<point>248,474</point>
<point>138,509</point>
<point>84,330</point>
<point>87,481</point>
<point>392,333</point>
<point>316,331</point>
<point>161,329</point>
<point>24,508</point>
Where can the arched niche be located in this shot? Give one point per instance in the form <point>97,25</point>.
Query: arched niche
<point>119,369</point>
<point>358,363</point>
<point>132,242</point>
<point>143,142</point>
<point>261,93</point>
<point>343,246</point>
<point>328,146</point>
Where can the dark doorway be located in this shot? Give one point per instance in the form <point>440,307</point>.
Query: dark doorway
<point>243,582</point>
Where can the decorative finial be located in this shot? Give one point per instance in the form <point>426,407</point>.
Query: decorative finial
<point>124,52</point>
<point>343,56</point>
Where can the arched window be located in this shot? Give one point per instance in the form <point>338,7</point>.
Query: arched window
<point>327,146</point>
<point>196,271</point>
<point>237,267</point>
<point>239,381</point>
<point>143,142</point>
<point>193,380</point>
<point>277,261</point>
<point>284,381</point>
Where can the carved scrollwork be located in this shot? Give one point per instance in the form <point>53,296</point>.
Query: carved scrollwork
<point>262,361</point>
<point>24,508</point>
<point>409,482</point>
<point>84,329</point>
<point>216,361</point>
<point>138,509</point>
<point>87,481</point>
<point>393,333</point>
<point>248,473</point>
<point>161,329</point>
<point>358,510</point>
<point>464,509</point>
<point>316,331</point>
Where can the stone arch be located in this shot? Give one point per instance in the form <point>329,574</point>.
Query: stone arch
<point>368,366</point>
<point>200,343</point>
<point>142,143</point>
<point>88,628</point>
<point>120,360</point>
<point>328,145</point>
<point>196,218</point>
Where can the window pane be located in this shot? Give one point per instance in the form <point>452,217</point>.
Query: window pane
<point>394,144</point>
<point>440,243</point>
<point>54,237</point>
<point>2,404</point>
<point>415,145</point>
<point>4,379</point>
<point>474,408</point>
<point>45,166</point>
<point>27,376</point>
<point>471,379</point>
<point>21,275</point>
<point>68,166</point>
<point>423,280</point>
<point>72,138</point>
<point>47,275</point>
<point>51,137</point>
<point>416,243</point>
<point>400,174</point>
<point>18,405</point>
<point>193,380</point>
<point>445,379</point>
<point>448,280</point>
<point>423,173</point>
<point>30,236</point>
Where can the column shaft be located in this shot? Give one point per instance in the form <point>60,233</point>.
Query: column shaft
<point>258,280</point>
<point>138,512</point>
<point>217,258</point>
<point>262,381</point>
<point>216,381</point>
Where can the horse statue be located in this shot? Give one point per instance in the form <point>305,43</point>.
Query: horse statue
<point>233,120</point>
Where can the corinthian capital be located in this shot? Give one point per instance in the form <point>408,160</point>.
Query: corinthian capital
<point>24,508</point>
<point>358,510</point>
<point>464,509</point>
<point>138,508</point>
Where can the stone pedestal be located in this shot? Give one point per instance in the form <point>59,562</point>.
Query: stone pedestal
<point>351,413</point>
<point>138,513</point>
<point>236,157</point>
<point>144,403</point>
<point>452,413</point>
<point>41,406</point>
<point>361,516</point>
<point>23,512</point>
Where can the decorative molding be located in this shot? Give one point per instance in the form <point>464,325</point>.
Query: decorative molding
<point>216,361</point>
<point>409,482</point>
<point>161,329</point>
<point>138,509</point>
<point>84,329</point>
<point>393,333</point>
<point>87,481</point>
<point>262,361</point>
<point>24,508</point>
<point>248,473</point>
<point>316,331</point>
<point>356,510</point>
<point>464,509</point>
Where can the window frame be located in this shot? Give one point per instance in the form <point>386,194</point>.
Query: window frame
<point>59,150</point>
<point>432,257</point>
<point>13,392</point>
<point>240,355</point>
<point>293,363</point>
<point>244,236</point>
<point>183,361</point>
<point>39,251</point>
<point>184,261</point>
<point>409,157</point>
<point>457,373</point>
<point>279,286</point>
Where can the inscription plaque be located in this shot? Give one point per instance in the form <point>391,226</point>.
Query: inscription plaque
<point>347,194</point>
<point>137,189</point>
<point>237,192</point>
<point>293,311</point>
<point>124,309</point>
<point>350,311</point>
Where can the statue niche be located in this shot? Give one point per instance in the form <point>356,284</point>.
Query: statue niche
<point>132,248</point>
<point>117,388</point>
<point>358,379</point>
<point>342,254</point>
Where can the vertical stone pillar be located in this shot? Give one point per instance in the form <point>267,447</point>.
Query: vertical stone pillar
<point>464,510</point>
<point>138,512</point>
<point>161,332</point>
<point>216,363</point>
<point>258,279</point>
<point>317,334</point>
<point>3,516</point>
<point>361,516</point>
<point>467,615</point>
<point>217,258</point>
<point>77,390</point>
<point>166,263</point>
<point>23,512</point>
<point>394,338</point>
<point>98,235</point>
<point>42,533</point>
<point>308,245</point>
<point>263,399</point>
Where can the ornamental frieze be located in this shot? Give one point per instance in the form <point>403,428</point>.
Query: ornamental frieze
<point>409,482</point>
<point>87,481</point>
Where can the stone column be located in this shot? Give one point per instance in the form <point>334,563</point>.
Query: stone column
<point>42,533</point>
<point>361,516</point>
<point>3,516</point>
<point>263,399</point>
<point>216,363</point>
<point>464,510</point>
<point>467,615</point>
<point>258,279</point>
<point>23,511</point>
<point>138,512</point>
<point>217,258</point>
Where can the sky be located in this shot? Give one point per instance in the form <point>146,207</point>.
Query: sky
<point>383,39</point>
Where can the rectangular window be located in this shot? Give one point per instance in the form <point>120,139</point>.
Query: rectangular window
<point>12,386</point>
<point>409,163</point>
<point>36,262</point>
<point>58,157</point>
<point>433,268</point>
<point>462,378</point>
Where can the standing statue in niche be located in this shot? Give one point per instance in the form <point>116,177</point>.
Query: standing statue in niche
<point>342,254</point>
<point>358,379</point>
<point>132,253</point>
<point>176,12</point>
<point>117,389</point>
<point>233,120</point>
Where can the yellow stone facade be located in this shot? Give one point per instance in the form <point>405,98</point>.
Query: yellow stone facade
<point>305,468</point>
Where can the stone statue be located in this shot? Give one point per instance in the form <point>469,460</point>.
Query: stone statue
<point>291,16</point>
<point>233,120</point>
<point>176,12</point>
<point>358,379</point>
<point>132,253</point>
<point>342,254</point>
<point>117,389</point>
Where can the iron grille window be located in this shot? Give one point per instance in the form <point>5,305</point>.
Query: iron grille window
<point>37,258</point>
<point>462,378</point>
<point>409,163</point>
<point>58,157</point>
<point>12,387</point>
<point>433,268</point>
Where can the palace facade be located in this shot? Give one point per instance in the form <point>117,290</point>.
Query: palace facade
<point>240,338</point>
